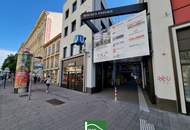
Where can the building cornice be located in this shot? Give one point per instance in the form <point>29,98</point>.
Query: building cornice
<point>40,18</point>
<point>52,40</point>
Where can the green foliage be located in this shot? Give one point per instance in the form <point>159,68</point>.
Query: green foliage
<point>10,62</point>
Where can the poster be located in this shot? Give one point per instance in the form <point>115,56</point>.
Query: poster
<point>22,70</point>
<point>103,46</point>
<point>127,39</point>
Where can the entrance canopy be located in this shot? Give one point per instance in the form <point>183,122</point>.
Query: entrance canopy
<point>129,9</point>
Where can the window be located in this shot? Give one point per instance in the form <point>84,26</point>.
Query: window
<point>81,22</point>
<point>58,46</point>
<point>49,50</point>
<point>102,6</point>
<point>56,61</point>
<point>73,28</point>
<point>52,62</point>
<point>53,48</point>
<point>67,14</point>
<point>66,31</point>
<point>110,22</point>
<point>82,1</point>
<point>46,53</point>
<point>80,49</point>
<point>72,49</point>
<point>47,63</point>
<point>44,64</point>
<point>74,6</point>
<point>64,52</point>
<point>103,26</point>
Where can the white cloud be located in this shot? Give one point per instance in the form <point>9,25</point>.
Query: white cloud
<point>3,54</point>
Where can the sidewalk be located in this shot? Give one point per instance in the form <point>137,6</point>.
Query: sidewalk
<point>17,113</point>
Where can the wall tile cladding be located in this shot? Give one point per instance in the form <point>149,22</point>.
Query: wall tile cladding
<point>181,10</point>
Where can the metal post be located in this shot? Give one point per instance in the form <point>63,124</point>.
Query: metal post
<point>5,79</point>
<point>115,94</point>
<point>114,81</point>
<point>142,75</point>
<point>84,68</point>
<point>30,80</point>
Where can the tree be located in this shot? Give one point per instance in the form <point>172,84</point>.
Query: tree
<point>10,62</point>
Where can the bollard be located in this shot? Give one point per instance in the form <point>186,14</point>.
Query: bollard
<point>115,94</point>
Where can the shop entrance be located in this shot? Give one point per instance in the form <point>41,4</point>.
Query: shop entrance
<point>72,77</point>
<point>184,52</point>
<point>130,74</point>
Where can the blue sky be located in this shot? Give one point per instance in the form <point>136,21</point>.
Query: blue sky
<point>19,16</point>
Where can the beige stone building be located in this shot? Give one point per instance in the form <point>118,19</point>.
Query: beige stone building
<point>51,59</point>
<point>48,25</point>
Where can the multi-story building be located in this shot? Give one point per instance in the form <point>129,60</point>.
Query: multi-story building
<point>48,26</point>
<point>77,68</point>
<point>170,36</point>
<point>51,59</point>
<point>180,41</point>
<point>21,48</point>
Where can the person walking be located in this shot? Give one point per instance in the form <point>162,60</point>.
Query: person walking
<point>48,81</point>
<point>35,79</point>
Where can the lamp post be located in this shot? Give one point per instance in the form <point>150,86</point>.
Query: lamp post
<point>30,78</point>
<point>6,71</point>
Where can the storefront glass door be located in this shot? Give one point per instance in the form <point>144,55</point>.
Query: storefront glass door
<point>185,66</point>
<point>183,38</point>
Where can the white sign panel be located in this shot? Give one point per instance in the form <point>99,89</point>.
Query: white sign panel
<point>103,46</point>
<point>126,39</point>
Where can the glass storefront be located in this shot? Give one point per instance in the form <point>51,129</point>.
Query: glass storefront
<point>73,74</point>
<point>185,65</point>
<point>183,38</point>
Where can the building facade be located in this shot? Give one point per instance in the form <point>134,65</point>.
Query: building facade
<point>51,59</point>
<point>77,68</point>
<point>48,26</point>
<point>170,36</point>
<point>180,41</point>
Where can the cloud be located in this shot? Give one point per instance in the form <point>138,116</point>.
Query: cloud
<point>3,54</point>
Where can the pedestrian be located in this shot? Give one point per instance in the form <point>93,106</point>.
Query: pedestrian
<point>35,79</point>
<point>48,81</point>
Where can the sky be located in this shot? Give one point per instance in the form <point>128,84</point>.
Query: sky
<point>18,17</point>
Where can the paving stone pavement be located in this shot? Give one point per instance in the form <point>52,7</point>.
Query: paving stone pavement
<point>17,113</point>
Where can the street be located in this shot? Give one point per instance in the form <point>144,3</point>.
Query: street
<point>18,113</point>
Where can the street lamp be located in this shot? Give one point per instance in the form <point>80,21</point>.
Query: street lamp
<point>30,80</point>
<point>6,71</point>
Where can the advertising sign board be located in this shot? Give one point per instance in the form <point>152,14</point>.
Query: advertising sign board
<point>126,39</point>
<point>22,70</point>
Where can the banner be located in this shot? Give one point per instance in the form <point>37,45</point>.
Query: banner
<point>126,39</point>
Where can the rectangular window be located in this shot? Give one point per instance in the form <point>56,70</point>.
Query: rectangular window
<point>103,26</point>
<point>66,31</point>
<point>56,61</point>
<point>47,63</point>
<point>52,62</point>
<point>67,14</point>
<point>102,6</point>
<point>44,64</point>
<point>45,52</point>
<point>58,46</point>
<point>64,52</point>
<point>80,49</point>
<point>53,49</point>
<point>73,26</point>
<point>110,23</point>
<point>72,49</point>
<point>74,6</point>
<point>49,50</point>
<point>82,1</point>
<point>81,22</point>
